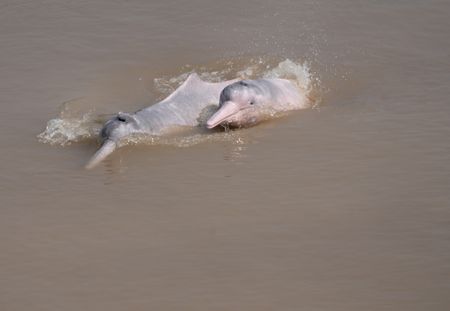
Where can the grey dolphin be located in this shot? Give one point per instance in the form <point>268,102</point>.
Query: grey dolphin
<point>181,108</point>
<point>248,102</point>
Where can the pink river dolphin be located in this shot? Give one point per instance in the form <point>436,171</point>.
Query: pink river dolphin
<point>240,104</point>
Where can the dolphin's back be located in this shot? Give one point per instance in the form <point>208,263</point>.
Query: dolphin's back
<point>182,107</point>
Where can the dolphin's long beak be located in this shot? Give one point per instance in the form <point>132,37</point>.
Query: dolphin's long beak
<point>228,109</point>
<point>105,150</point>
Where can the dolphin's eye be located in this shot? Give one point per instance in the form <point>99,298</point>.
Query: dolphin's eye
<point>121,119</point>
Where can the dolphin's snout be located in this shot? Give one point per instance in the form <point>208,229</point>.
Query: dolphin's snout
<point>105,150</point>
<point>228,109</point>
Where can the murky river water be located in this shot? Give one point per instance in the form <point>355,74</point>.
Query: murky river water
<point>343,206</point>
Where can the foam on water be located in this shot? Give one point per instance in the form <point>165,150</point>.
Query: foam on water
<point>189,139</point>
<point>77,123</point>
<point>66,131</point>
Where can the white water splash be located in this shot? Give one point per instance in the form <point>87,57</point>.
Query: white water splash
<point>65,131</point>
<point>287,69</point>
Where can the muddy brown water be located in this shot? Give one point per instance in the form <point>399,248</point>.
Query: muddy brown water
<point>341,207</point>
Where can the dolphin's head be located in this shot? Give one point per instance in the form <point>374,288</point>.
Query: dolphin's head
<point>115,129</point>
<point>238,106</point>
<point>118,127</point>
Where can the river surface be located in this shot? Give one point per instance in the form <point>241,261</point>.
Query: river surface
<point>341,206</point>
